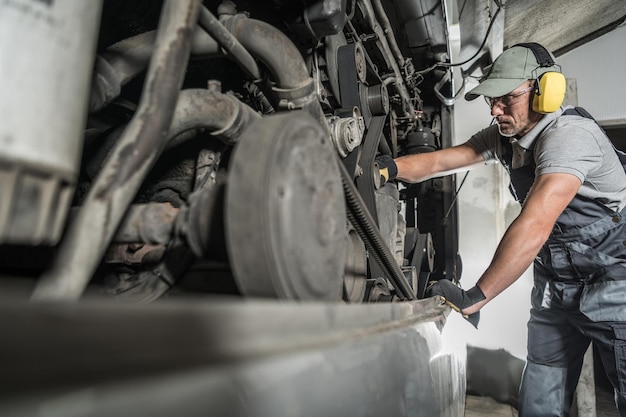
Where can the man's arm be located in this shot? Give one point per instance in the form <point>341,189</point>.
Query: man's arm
<point>420,167</point>
<point>547,199</point>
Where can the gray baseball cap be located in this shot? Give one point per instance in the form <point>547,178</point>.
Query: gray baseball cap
<point>512,68</point>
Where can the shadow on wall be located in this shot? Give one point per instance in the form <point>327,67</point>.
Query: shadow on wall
<point>494,373</point>
<point>617,135</point>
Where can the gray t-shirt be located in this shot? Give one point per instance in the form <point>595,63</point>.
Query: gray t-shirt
<point>569,144</point>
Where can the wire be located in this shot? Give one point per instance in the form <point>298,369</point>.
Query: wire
<point>482,45</point>
<point>456,194</point>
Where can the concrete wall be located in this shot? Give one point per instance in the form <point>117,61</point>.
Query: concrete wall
<point>486,208</point>
<point>599,68</point>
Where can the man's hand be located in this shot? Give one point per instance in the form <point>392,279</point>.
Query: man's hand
<point>458,298</point>
<point>386,168</point>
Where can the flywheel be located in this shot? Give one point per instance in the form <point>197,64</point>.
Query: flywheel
<point>285,211</point>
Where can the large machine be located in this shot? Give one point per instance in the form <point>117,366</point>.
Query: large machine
<point>228,143</point>
<point>155,150</point>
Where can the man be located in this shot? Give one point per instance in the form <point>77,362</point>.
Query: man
<point>572,187</point>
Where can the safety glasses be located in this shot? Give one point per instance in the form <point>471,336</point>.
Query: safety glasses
<point>507,100</point>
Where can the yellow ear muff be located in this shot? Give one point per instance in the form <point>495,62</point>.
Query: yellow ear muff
<point>549,92</point>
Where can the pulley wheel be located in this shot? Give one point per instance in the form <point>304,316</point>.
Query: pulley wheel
<point>285,211</point>
<point>355,279</point>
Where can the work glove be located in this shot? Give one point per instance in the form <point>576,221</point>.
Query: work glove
<point>387,169</point>
<point>457,298</point>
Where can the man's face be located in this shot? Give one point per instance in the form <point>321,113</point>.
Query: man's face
<point>513,112</point>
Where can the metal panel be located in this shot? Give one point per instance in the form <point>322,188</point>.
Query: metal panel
<point>204,357</point>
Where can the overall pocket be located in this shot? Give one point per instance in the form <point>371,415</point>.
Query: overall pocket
<point>620,355</point>
<point>604,301</point>
<point>591,255</point>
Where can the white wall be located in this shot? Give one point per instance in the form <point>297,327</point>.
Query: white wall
<point>486,208</point>
<point>599,68</point>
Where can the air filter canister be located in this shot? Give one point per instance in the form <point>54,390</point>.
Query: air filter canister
<point>47,50</point>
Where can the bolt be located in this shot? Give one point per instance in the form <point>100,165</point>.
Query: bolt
<point>134,247</point>
<point>227,8</point>
<point>214,86</point>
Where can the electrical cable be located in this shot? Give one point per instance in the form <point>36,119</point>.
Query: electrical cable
<point>456,194</point>
<point>482,45</point>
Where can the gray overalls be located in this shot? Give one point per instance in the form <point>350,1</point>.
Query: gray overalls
<point>579,296</point>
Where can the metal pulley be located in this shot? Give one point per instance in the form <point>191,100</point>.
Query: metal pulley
<point>285,211</point>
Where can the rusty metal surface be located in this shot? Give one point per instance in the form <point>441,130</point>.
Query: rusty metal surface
<point>134,253</point>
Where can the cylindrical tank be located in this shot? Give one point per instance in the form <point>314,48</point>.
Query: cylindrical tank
<point>47,50</point>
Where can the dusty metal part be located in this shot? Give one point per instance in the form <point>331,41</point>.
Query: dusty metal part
<point>233,47</point>
<point>134,253</point>
<point>383,40</point>
<point>347,132</point>
<point>203,220</point>
<point>295,88</point>
<point>273,48</point>
<point>288,239</point>
<point>206,166</point>
<point>132,158</point>
<point>123,61</point>
<point>196,224</point>
<point>222,114</point>
<point>355,271</point>
<point>147,223</point>
<point>364,224</point>
<point>381,15</point>
<point>378,99</point>
<point>379,291</point>
<point>389,221</point>
<point>47,60</point>
<point>361,64</point>
<point>147,274</point>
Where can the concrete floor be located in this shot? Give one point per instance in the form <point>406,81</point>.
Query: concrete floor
<point>476,406</point>
<point>487,407</point>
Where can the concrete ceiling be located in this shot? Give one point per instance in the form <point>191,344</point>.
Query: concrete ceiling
<point>560,25</point>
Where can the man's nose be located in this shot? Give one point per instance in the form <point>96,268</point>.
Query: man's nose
<point>497,109</point>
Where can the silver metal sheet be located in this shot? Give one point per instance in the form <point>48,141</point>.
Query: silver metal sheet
<point>204,357</point>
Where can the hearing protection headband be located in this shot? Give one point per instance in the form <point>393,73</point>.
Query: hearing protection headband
<point>541,54</point>
<point>550,86</point>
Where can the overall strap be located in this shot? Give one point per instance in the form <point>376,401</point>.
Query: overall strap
<point>522,178</point>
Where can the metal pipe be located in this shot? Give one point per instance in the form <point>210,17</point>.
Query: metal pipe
<point>233,47</point>
<point>130,161</point>
<point>273,48</point>
<point>383,39</point>
<point>147,223</point>
<point>222,114</point>
<point>386,25</point>
<point>295,88</point>
<point>123,61</point>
